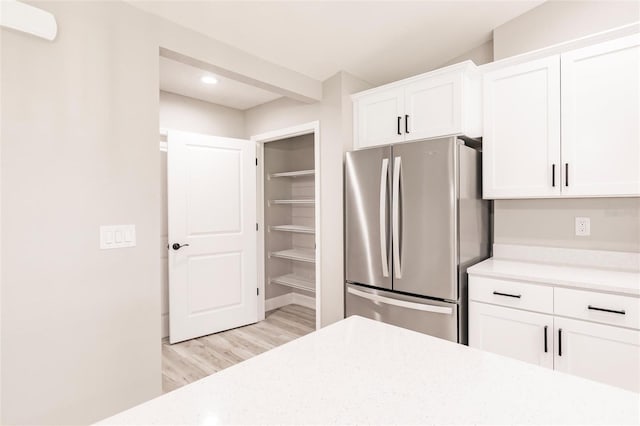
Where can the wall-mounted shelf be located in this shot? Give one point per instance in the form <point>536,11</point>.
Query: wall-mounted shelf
<point>293,228</point>
<point>295,281</point>
<point>296,202</point>
<point>293,174</point>
<point>302,255</point>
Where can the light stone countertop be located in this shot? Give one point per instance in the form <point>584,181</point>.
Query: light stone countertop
<point>579,277</point>
<point>360,371</point>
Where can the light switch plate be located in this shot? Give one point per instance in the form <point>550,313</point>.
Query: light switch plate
<point>117,236</point>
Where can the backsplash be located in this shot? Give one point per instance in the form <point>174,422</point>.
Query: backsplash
<point>615,223</point>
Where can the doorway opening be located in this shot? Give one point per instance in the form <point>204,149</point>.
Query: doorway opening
<point>289,220</point>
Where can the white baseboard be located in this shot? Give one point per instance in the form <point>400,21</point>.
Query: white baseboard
<point>278,302</point>
<point>164,318</point>
<point>302,300</point>
<point>289,299</point>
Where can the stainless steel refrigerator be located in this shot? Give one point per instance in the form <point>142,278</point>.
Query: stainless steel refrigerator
<point>414,222</point>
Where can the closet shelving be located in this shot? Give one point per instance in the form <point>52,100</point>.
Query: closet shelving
<point>294,228</point>
<point>298,201</point>
<point>301,255</point>
<point>294,281</point>
<point>293,174</point>
<point>289,187</point>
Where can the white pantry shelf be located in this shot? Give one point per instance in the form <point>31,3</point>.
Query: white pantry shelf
<point>295,281</point>
<point>293,228</point>
<point>293,174</point>
<point>302,255</point>
<point>298,201</point>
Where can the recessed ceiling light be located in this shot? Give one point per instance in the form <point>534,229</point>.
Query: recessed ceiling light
<point>209,79</point>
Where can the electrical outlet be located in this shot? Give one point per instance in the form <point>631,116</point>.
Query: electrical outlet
<point>583,226</point>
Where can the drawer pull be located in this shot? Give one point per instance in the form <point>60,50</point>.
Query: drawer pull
<point>517,296</point>
<point>613,311</point>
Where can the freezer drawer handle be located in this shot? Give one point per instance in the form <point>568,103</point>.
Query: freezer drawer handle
<point>517,296</point>
<point>384,257</point>
<point>613,311</point>
<point>401,303</point>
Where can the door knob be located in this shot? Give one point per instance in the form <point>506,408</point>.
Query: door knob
<point>177,246</point>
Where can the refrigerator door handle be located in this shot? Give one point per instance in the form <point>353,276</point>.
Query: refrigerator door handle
<point>384,256</point>
<point>397,266</point>
<point>401,303</point>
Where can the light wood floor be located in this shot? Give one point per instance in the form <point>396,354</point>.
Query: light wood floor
<point>186,362</point>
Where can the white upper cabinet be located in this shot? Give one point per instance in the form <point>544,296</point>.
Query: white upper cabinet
<point>521,144</point>
<point>440,103</point>
<point>565,126</point>
<point>433,107</point>
<point>380,117</point>
<point>600,119</point>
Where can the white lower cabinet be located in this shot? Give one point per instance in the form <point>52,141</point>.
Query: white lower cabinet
<point>591,349</point>
<point>598,352</point>
<point>523,335</point>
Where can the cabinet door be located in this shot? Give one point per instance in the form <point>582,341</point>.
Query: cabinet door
<point>521,143</point>
<point>510,332</point>
<point>433,107</point>
<point>601,119</point>
<point>380,118</point>
<point>598,352</point>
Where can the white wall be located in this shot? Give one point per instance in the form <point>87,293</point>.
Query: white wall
<point>190,115</point>
<point>615,222</point>
<point>480,55</point>
<point>80,331</point>
<point>279,114</point>
<point>557,21</point>
<point>79,148</point>
<point>193,115</point>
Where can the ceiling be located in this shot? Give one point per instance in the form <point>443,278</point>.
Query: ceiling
<point>378,41</point>
<point>183,79</point>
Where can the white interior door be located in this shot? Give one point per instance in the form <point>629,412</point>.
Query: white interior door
<point>212,234</point>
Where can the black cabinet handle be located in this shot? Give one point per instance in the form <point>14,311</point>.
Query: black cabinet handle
<point>566,174</point>
<point>517,296</point>
<point>177,246</point>
<point>546,348</point>
<point>613,311</point>
<point>399,118</point>
<point>406,123</point>
<point>553,175</point>
<point>559,342</point>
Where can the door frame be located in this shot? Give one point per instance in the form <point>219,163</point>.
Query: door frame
<point>312,127</point>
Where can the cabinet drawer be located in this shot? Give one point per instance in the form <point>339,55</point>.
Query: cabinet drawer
<point>612,309</point>
<point>511,293</point>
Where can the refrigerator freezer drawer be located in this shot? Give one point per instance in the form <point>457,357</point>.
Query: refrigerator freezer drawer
<point>439,319</point>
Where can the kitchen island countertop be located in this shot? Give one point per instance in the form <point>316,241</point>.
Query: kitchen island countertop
<point>362,371</point>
